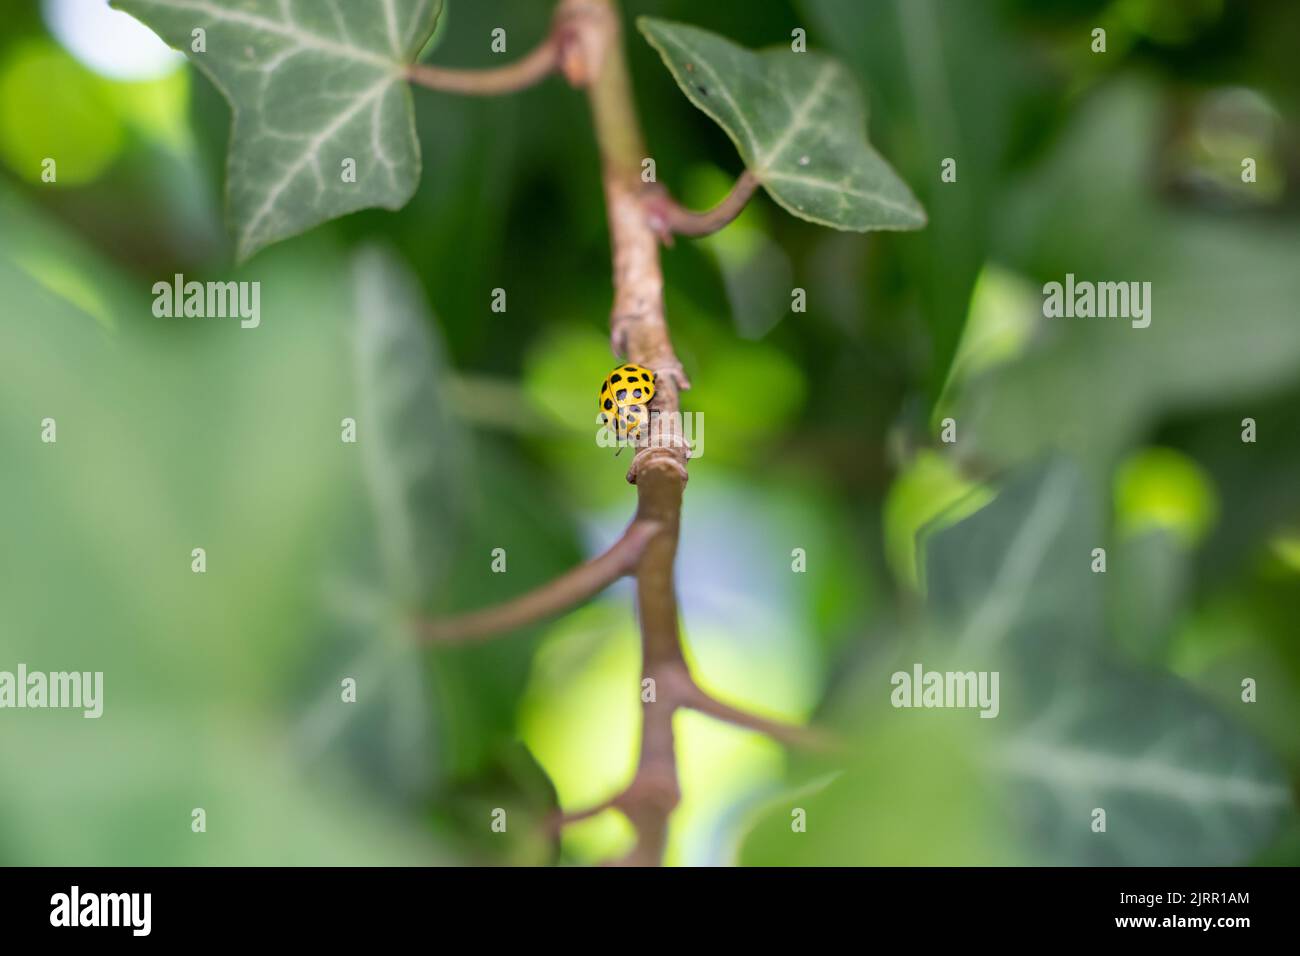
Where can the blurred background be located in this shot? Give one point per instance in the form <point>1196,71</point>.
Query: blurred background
<point>821,433</point>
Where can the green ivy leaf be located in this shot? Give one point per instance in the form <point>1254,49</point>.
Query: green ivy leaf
<point>414,451</point>
<point>1180,782</point>
<point>799,123</point>
<point>412,462</point>
<point>998,579</point>
<point>1010,590</point>
<point>312,87</point>
<point>1094,389</point>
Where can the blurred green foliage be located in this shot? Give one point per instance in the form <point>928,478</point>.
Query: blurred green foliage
<point>222,689</point>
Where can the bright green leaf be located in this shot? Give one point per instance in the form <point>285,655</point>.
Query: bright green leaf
<point>1287,548</point>
<point>1165,489</point>
<point>930,494</point>
<point>77,124</point>
<point>315,88</point>
<point>799,123</point>
<point>873,813</point>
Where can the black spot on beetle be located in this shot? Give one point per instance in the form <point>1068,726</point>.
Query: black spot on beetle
<point>621,394</point>
<point>616,377</point>
<point>636,393</point>
<point>608,404</point>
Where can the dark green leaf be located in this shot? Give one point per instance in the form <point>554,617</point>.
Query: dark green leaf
<point>799,123</point>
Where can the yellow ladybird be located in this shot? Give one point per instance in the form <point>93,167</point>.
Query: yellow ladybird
<point>624,397</point>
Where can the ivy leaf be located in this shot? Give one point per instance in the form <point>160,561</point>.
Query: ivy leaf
<point>1180,782</point>
<point>799,123</point>
<point>414,452</point>
<point>1097,388</point>
<point>1000,577</point>
<point>412,463</point>
<point>1072,727</point>
<point>315,88</point>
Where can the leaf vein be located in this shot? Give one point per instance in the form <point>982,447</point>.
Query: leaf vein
<point>290,30</point>
<point>798,119</point>
<point>311,154</point>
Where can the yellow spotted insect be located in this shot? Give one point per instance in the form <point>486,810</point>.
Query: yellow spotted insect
<point>624,399</point>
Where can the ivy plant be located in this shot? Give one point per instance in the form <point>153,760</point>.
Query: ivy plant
<point>321,96</point>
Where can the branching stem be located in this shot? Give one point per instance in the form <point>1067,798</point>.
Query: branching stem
<point>809,738</point>
<point>566,591</point>
<point>669,218</point>
<point>586,46</point>
<point>651,796</point>
<point>543,60</point>
<point>638,331</point>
